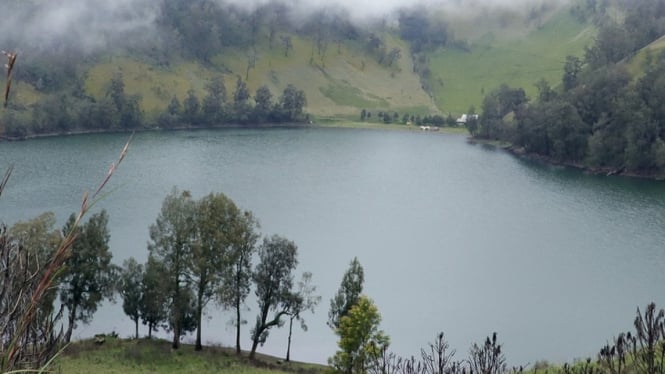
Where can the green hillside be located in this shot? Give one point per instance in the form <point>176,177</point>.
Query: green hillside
<point>341,73</point>
<point>636,65</point>
<point>462,78</point>
<point>340,84</point>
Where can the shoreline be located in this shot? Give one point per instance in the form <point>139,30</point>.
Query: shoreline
<point>601,171</point>
<point>325,124</point>
<point>350,124</point>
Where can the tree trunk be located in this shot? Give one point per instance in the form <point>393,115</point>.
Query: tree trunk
<point>237,326</point>
<point>176,332</point>
<point>70,328</point>
<point>149,330</point>
<point>176,338</point>
<point>255,343</point>
<point>177,315</point>
<point>288,346</point>
<point>136,325</point>
<point>199,313</point>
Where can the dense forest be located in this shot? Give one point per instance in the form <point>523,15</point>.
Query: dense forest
<point>601,116</point>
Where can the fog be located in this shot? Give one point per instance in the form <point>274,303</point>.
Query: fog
<point>93,24</point>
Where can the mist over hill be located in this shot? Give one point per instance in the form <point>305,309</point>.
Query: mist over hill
<point>396,56</point>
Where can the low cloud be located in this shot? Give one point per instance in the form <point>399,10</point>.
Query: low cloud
<point>91,25</point>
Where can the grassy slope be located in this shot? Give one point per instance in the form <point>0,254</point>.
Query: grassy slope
<point>461,79</point>
<point>155,85</point>
<point>155,356</point>
<point>348,80</point>
<point>341,84</point>
<point>636,64</point>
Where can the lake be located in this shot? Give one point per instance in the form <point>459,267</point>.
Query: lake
<point>453,237</point>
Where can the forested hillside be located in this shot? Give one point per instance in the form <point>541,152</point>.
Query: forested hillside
<point>607,112</point>
<point>175,63</point>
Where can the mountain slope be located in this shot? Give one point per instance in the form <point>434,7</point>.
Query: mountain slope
<point>462,78</point>
<point>342,83</point>
<point>341,73</point>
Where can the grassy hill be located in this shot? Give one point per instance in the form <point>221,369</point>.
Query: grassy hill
<point>519,56</point>
<point>503,47</point>
<point>340,84</point>
<point>636,64</point>
<point>156,356</point>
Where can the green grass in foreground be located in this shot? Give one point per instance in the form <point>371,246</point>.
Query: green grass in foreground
<point>156,356</point>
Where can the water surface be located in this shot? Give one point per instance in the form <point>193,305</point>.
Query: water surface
<point>453,237</point>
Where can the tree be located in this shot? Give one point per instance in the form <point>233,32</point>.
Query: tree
<point>241,101</point>
<point>571,70</point>
<point>302,300</point>
<point>127,107</point>
<point>263,100</point>
<point>191,108</point>
<point>213,103</point>
<point>472,121</point>
<point>154,298</point>
<point>89,275</point>
<point>116,90</point>
<point>171,240</point>
<point>130,115</point>
<point>31,245</point>
<point>360,340</point>
<point>174,108</point>
<point>238,278</point>
<point>131,288</point>
<point>224,233</point>
<point>286,42</point>
<point>292,102</point>
<point>274,280</point>
<point>347,295</point>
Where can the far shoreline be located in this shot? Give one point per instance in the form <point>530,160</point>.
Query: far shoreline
<point>523,154</point>
<point>340,124</point>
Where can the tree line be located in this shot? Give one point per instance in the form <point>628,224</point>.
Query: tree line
<point>200,252</point>
<point>600,116</point>
<point>118,111</point>
<point>406,118</point>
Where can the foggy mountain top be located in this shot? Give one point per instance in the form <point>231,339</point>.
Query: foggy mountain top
<point>373,8</point>
<point>94,24</point>
<point>90,23</point>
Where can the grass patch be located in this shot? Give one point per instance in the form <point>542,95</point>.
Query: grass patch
<point>461,79</point>
<point>347,95</point>
<point>637,65</point>
<point>155,85</point>
<point>156,356</point>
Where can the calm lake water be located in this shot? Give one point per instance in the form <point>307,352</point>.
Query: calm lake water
<point>453,237</point>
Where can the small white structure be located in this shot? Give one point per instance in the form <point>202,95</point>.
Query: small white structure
<point>465,117</point>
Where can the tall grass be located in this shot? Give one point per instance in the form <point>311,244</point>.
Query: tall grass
<point>28,339</point>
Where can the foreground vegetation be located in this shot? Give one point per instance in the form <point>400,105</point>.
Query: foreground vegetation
<point>156,356</point>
